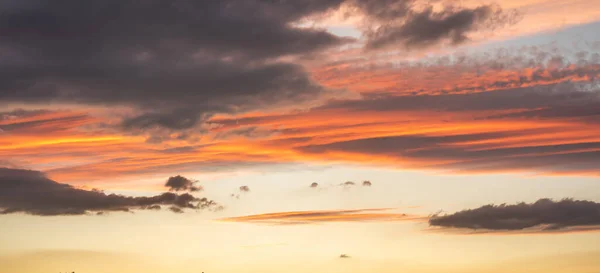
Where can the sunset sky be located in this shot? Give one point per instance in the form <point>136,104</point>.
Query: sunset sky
<point>300,136</point>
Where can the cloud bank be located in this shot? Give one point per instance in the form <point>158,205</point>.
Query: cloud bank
<point>196,59</point>
<point>31,192</point>
<point>544,215</point>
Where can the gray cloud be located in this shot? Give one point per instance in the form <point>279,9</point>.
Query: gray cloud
<point>544,215</point>
<point>543,96</point>
<point>348,184</point>
<point>193,60</point>
<point>430,150</point>
<point>400,24</point>
<point>244,189</point>
<point>176,209</point>
<point>31,192</point>
<point>180,183</point>
<point>314,185</point>
<point>344,256</point>
<point>367,183</point>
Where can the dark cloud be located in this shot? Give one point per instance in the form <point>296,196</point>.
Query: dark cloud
<point>348,184</point>
<point>344,256</point>
<point>20,113</point>
<point>180,183</point>
<point>430,150</point>
<point>176,209</point>
<point>31,192</point>
<point>543,96</point>
<point>244,188</point>
<point>399,24</point>
<point>179,62</point>
<point>153,207</point>
<point>367,183</point>
<point>544,215</point>
<point>314,185</point>
<point>194,59</point>
<point>213,26</point>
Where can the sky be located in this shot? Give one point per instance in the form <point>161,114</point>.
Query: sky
<point>305,135</point>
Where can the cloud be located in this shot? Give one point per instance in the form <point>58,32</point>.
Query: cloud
<point>323,216</point>
<point>344,256</point>
<point>367,183</point>
<point>31,192</point>
<point>530,109</point>
<point>400,24</point>
<point>348,184</point>
<point>176,209</point>
<point>544,215</point>
<point>491,113</point>
<point>180,183</point>
<point>445,152</point>
<point>197,60</point>
<point>314,185</point>
<point>20,121</point>
<point>244,189</point>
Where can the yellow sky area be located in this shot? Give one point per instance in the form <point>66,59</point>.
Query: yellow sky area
<point>184,243</point>
<point>55,261</point>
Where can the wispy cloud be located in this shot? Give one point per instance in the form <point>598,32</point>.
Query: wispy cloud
<point>323,216</point>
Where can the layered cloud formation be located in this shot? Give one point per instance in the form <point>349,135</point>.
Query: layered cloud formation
<point>193,60</point>
<point>92,91</point>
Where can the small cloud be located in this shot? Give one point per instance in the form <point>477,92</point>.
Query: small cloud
<point>367,183</point>
<point>314,185</point>
<point>348,184</point>
<point>180,183</point>
<point>176,210</point>
<point>244,189</point>
<point>344,256</point>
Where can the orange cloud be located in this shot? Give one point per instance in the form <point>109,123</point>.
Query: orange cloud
<point>534,111</point>
<point>323,216</point>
